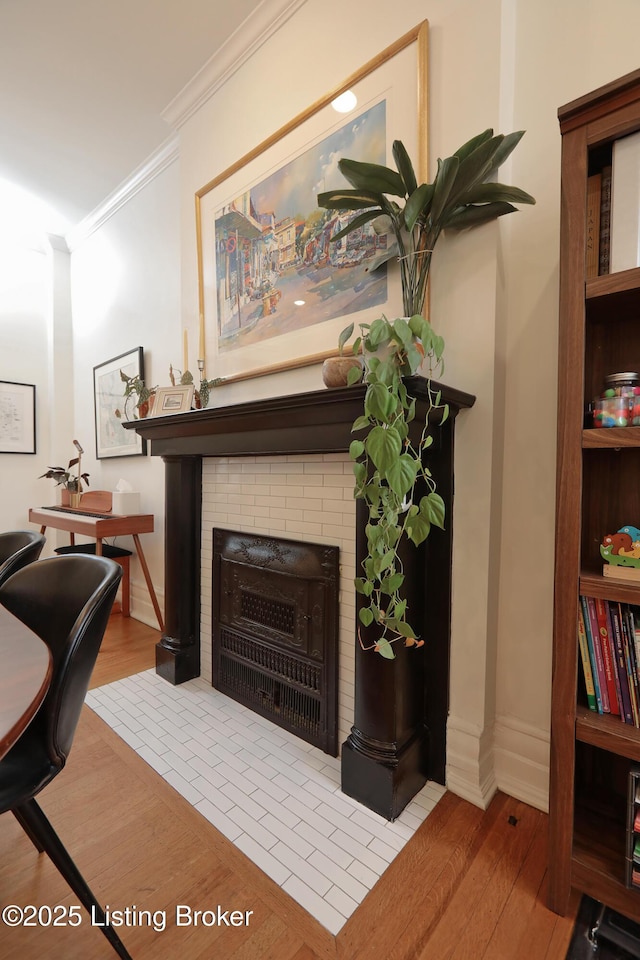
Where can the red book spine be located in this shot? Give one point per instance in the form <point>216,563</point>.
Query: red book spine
<point>608,655</point>
<point>597,646</point>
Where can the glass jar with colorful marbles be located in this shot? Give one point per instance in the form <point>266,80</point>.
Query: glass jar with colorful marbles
<point>612,412</point>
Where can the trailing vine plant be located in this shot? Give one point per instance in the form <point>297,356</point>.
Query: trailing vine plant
<point>388,466</point>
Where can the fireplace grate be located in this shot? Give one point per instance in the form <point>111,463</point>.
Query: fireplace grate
<point>275,631</point>
<point>274,685</point>
<point>268,613</point>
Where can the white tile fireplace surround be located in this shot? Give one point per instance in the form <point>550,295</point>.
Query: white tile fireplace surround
<point>306,497</point>
<point>275,797</point>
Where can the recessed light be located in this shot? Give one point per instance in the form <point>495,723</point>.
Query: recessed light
<point>299,303</point>
<point>345,102</point>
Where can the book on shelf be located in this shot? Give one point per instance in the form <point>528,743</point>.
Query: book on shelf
<point>591,623</point>
<point>621,662</point>
<point>587,667</point>
<point>632,667</point>
<point>625,204</point>
<point>608,634</point>
<point>592,654</point>
<point>594,199</point>
<point>605,220</point>
<point>611,672</point>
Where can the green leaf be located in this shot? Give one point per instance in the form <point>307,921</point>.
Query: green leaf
<point>360,423</point>
<point>415,356</point>
<point>366,616</point>
<point>372,177</point>
<point>401,474</point>
<point>378,402</point>
<point>443,185</point>
<point>392,583</point>
<point>417,529</point>
<point>465,217</point>
<point>493,192</point>
<point>383,446</point>
<point>509,143</point>
<point>404,165</point>
<point>401,332</point>
<point>354,375</point>
<point>354,223</point>
<point>360,473</point>
<point>380,332</point>
<point>384,648</point>
<point>356,449</point>
<point>418,204</point>
<point>348,200</point>
<point>385,561</point>
<point>432,508</point>
<point>405,629</point>
<point>391,253</point>
<point>344,336</point>
<point>468,147</point>
<point>476,166</point>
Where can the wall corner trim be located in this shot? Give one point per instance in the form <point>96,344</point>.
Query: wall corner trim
<point>521,753</point>
<point>266,20</point>
<point>469,772</point>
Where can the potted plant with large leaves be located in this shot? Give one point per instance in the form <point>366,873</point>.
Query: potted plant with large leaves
<point>389,466</point>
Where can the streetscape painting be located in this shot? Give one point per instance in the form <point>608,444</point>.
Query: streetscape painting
<point>277,269</point>
<point>274,291</point>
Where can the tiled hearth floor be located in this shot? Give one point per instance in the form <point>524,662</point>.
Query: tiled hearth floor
<point>274,796</point>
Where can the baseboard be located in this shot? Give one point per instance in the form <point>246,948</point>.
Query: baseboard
<point>521,760</point>
<point>141,605</point>
<point>469,771</point>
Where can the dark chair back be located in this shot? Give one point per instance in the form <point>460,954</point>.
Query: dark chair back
<point>67,602</point>
<point>17,549</point>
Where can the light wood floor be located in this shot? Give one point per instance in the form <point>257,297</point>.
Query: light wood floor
<point>470,885</point>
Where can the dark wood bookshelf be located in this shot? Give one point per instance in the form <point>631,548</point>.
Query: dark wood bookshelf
<point>597,492</point>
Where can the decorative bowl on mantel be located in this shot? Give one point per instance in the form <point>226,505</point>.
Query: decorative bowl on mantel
<point>335,370</point>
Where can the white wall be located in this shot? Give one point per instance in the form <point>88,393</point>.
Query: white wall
<point>502,63</point>
<point>24,305</point>
<point>125,294</point>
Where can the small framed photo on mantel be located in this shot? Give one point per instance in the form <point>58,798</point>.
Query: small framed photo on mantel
<point>17,417</point>
<point>170,400</point>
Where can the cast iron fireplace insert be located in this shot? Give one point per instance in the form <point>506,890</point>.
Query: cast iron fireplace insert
<point>275,631</point>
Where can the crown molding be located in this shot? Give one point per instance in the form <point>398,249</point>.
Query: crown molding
<point>152,167</point>
<point>266,20</point>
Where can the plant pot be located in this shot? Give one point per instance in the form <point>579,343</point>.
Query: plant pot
<point>335,370</point>
<point>74,499</point>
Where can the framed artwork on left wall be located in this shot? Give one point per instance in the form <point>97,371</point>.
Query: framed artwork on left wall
<point>112,440</point>
<point>17,417</point>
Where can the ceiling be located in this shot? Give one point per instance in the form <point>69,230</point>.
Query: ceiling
<point>83,84</point>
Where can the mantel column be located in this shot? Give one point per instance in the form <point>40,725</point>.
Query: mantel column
<point>178,652</point>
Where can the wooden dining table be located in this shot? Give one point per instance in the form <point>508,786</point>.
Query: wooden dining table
<point>25,675</point>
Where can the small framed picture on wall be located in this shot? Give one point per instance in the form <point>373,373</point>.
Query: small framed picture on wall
<point>112,440</point>
<point>17,417</point>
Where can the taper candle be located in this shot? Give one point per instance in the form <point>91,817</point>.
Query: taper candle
<point>185,352</point>
<point>201,346</point>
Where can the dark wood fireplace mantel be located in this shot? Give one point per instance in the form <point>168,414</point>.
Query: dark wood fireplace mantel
<point>398,740</point>
<point>317,422</point>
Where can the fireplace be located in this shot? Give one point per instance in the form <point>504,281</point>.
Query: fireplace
<point>397,736</point>
<point>275,631</point>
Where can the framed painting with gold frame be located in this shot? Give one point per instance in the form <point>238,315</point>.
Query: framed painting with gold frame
<point>274,291</point>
